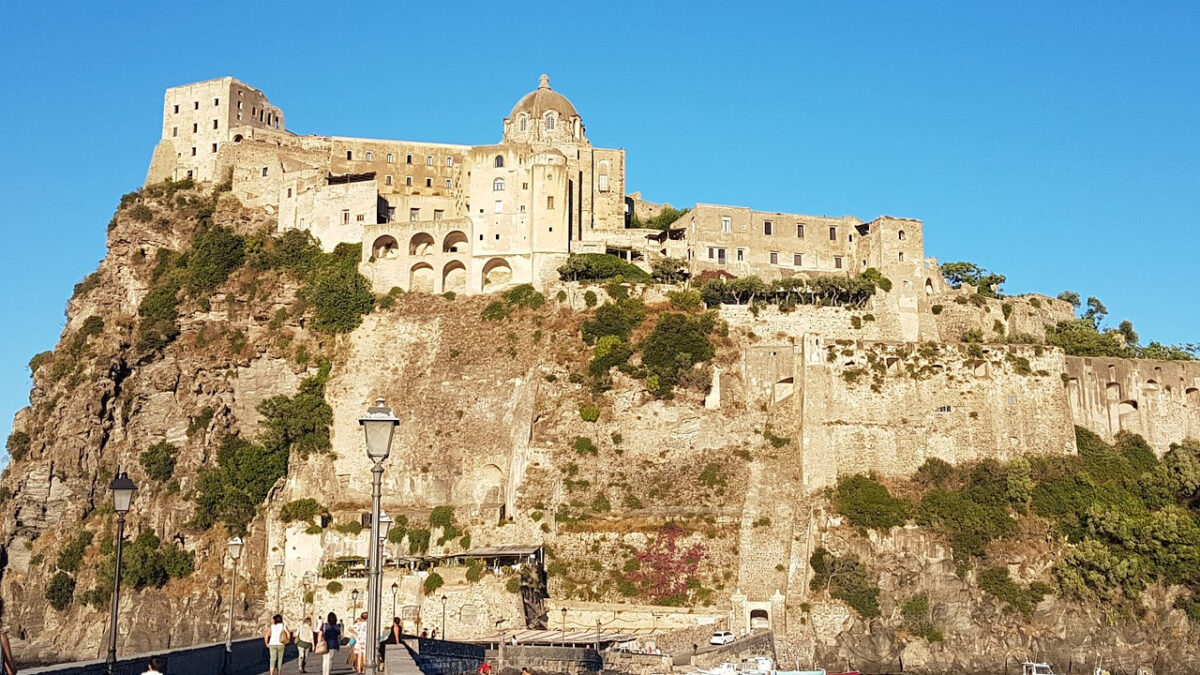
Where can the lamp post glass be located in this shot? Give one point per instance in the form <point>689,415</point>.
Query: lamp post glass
<point>122,489</point>
<point>379,425</point>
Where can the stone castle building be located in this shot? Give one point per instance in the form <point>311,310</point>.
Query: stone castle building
<point>438,217</point>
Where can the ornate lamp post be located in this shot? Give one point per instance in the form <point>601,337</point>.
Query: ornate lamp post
<point>443,617</point>
<point>353,604</point>
<point>122,490</point>
<point>379,425</point>
<point>395,592</point>
<point>279,587</point>
<point>235,552</point>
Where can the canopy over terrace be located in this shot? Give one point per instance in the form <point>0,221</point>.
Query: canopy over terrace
<point>493,556</point>
<point>574,638</point>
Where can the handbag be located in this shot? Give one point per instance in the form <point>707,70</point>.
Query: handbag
<point>320,645</point>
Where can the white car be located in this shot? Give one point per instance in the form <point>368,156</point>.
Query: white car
<point>722,637</point>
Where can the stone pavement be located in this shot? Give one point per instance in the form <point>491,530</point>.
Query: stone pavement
<point>401,663</point>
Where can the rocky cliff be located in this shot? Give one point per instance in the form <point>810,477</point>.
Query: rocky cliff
<point>224,367</point>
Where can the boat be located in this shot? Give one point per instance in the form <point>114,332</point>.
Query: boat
<point>1036,668</point>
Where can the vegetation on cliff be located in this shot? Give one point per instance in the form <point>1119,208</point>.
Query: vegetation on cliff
<point>1123,518</point>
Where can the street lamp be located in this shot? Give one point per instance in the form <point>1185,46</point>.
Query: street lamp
<point>395,592</point>
<point>379,425</point>
<point>235,552</point>
<point>353,603</point>
<point>597,635</point>
<point>306,582</point>
<point>122,490</point>
<point>564,626</point>
<point>385,526</point>
<point>443,617</point>
<point>279,587</point>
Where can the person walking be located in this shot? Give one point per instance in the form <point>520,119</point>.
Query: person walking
<point>360,644</point>
<point>304,642</point>
<point>10,666</point>
<point>329,640</point>
<point>276,638</point>
<point>155,667</point>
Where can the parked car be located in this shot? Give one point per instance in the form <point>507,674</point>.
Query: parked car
<point>721,637</point>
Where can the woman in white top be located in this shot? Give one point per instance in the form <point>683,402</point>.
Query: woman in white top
<point>277,637</point>
<point>304,641</point>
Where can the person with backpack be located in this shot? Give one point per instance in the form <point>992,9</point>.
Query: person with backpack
<point>277,637</point>
<point>304,642</point>
<point>328,641</point>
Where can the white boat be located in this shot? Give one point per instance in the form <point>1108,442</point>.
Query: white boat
<point>1035,668</point>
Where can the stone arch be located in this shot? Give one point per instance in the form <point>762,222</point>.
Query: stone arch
<point>455,242</point>
<point>929,287</point>
<point>385,246</point>
<point>421,278</point>
<point>784,388</point>
<point>1127,407</point>
<point>900,235</point>
<point>422,243</point>
<point>760,619</point>
<point>1192,396</point>
<point>1112,391</point>
<point>454,276</point>
<point>1151,385</point>
<point>490,488</point>
<point>496,272</point>
<point>238,138</point>
<point>499,162</point>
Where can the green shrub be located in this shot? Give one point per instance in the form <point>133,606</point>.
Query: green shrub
<point>867,504</point>
<point>141,213</point>
<point>845,577</point>
<point>916,617</point>
<point>433,582</point>
<point>936,309</point>
<point>71,554</point>
<point>524,296</point>
<point>935,471</point>
<point>670,271</point>
<point>18,445</point>
<point>40,359</point>
<point>148,563</point>
<point>340,297</point>
<point>214,255</point>
<point>475,571</point>
<point>61,591</point>
<point>496,310</point>
<point>712,476</point>
<point>589,298</point>
<point>1017,599</point>
<point>159,311</point>
<point>513,585</point>
<point>610,351</point>
<point>686,300</point>
<point>441,516</point>
<point>300,509</point>
<point>89,283</point>
<point>677,343</point>
<point>334,587</point>
<point>584,446</point>
<point>600,267</point>
<point>159,461</point>
<point>350,527</point>
<point>334,570</point>
<point>589,413</point>
<point>601,504</point>
<point>615,318</point>
<point>662,221</point>
<point>418,541</point>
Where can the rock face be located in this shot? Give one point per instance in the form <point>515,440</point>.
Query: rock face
<point>492,427</point>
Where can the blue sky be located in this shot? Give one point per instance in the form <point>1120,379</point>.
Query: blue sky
<point>1057,143</point>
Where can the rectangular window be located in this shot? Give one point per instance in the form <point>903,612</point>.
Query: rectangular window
<point>387,180</point>
<point>521,208</point>
<point>214,147</point>
<point>289,193</point>
<point>449,183</point>
<point>216,101</point>
<point>370,156</point>
<point>239,102</point>
<point>429,160</point>
<point>774,257</point>
<point>449,161</point>
<point>602,183</point>
<point>711,253</point>
<point>428,182</point>
<point>360,218</point>
<point>837,262</point>
<point>195,127</point>
<point>797,260</point>
<point>408,181</point>
<point>720,256</point>
<point>345,217</point>
<point>438,213</point>
<point>550,202</point>
<point>349,154</point>
<point>196,105</point>
<point>499,206</point>
<point>726,224</point>
<point>833,234</point>
<point>408,159</point>
<point>216,124</point>
<point>414,215</point>
<point>193,151</point>
<point>176,110</point>
<point>741,255</point>
<point>175,131</point>
<point>768,228</point>
<point>524,186</point>
<point>390,158</point>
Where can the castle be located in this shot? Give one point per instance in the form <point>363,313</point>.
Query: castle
<point>438,217</point>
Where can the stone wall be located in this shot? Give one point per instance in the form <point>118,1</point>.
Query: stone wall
<point>573,660</point>
<point>1158,399</point>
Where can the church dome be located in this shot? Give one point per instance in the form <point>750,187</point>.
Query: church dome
<point>542,100</point>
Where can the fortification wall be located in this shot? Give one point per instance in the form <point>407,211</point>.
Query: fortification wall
<point>1158,399</point>
<point>957,312</point>
<point>888,407</point>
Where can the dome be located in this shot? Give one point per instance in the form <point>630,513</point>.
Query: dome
<point>542,100</point>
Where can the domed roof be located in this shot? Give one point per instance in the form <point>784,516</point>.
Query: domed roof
<point>543,99</point>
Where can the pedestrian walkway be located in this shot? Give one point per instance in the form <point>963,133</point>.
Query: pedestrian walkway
<point>399,662</point>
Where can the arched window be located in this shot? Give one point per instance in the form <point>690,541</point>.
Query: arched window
<point>602,179</point>
<point>549,121</point>
<point>901,235</point>
<point>499,161</point>
<point>521,122</point>
<point>498,185</point>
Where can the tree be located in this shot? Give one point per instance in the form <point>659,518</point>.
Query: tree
<point>1096,312</point>
<point>1070,297</point>
<point>1126,330</point>
<point>159,461</point>
<point>985,282</point>
<point>669,271</point>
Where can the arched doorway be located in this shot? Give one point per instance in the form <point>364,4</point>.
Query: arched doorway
<point>385,247</point>
<point>455,242</point>
<point>421,244</point>
<point>497,272</point>
<point>454,277</point>
<point>759,620</point>
<point>421,278</point>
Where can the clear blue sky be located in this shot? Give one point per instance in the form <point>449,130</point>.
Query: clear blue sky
<point>1055,142</point>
